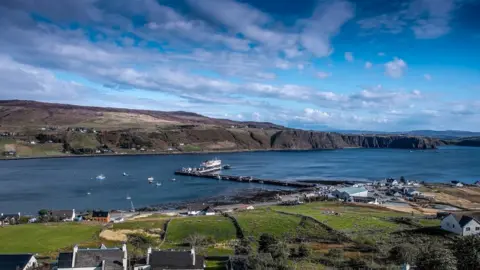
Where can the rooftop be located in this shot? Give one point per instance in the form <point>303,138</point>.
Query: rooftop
<point>166,259</point>
<point>113,258</point>
<point>352,190</point>
<point>465,217</point>
<point>14,261</point>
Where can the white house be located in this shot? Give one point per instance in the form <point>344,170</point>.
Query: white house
<point>462,223</point>
<point>17,261</point>
<point>172,259</point>
<point>345,193</point>
<point>200,209</point>
<point>94,258</point>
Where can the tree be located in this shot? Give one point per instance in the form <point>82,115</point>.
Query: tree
<point>402,179</point>
<point>335,253</point>
<point>243,247</point>
<point>404,253</point>
<point>467,252</point>
<point>304,251</point>
<point>196,240</point>
<point>43,212</point>
<point>435,257</point>
<point>266,242</point>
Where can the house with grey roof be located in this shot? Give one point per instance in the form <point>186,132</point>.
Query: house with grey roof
<point>347,192</point>
<point>17,261</point>
<point>9,219</point>
<point>62,215</point>
<point>466,223</point>
<point>172,259</point>
<point>101,258</point>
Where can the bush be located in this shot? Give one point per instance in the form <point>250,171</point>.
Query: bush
<point>404,253</point>
<point>304,251</point>
<point>435,257</point>
<point>467,252</point>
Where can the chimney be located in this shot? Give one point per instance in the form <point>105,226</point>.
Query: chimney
<point>75,250</point>
<point>149,252</point>
<point>103,265</point>
<point>18,214</point>
<point>192,254</point>
<point>125,256</point>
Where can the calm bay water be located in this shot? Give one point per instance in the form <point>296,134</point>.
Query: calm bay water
<point>63,183</point>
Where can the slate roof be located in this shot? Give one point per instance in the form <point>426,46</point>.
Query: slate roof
<point>163,259</point>
<point>12,261</point>
<point>113,258</point>
<point>62,213</point>
<point>465,217</point>
<point>102,214</point>
<point>352,190</point>
<point>197,207</point>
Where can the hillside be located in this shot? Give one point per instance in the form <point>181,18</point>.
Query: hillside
<point>68,129</point>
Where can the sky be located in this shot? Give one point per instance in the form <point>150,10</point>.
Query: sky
<point>312,64</point>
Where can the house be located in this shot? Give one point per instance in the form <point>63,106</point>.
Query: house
<point>101,216</point>
<point>9,219</point>
<point>62,215</point>
<point>459,184</point>
<point>345,193</point>
<point>172,259</point>
<point>17,261</point>
<point>200,209</point>
<point>94,258</point>
<point>411,192</point>
<point>392,182</point>
<point>467,223</point>
<point>369,200</point>
<point>477,183</point>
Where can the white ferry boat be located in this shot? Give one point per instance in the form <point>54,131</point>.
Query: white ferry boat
<point>211,165</point>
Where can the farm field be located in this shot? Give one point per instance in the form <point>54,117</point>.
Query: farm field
<point>47,239</point>
<point>218,228</point>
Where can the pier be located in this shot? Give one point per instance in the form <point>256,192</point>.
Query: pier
<point>246,179</point>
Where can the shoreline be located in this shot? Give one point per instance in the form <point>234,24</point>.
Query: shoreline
<point>3,158</point>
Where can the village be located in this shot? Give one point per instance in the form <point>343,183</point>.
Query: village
<point>410,200</point>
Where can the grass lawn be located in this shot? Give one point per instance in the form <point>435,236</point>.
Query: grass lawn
<point>215,265</point>
<point>355,221</point>
<point>218,227</point>
<point>46,239</point>
<point>256,222</point>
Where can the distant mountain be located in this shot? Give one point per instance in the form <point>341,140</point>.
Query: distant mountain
<point>440,134</point>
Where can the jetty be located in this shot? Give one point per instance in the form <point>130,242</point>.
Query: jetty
<point>246,179</point>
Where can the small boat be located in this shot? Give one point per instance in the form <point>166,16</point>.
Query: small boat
<point>100,177</point>
<point>158,184</point>
<point>226,167</point>
<point>219,177</point>
<point>128,197</point>
<point>173,179</point>
<point>88,193</point>
<point>125,174</point>
<point>150,179</point>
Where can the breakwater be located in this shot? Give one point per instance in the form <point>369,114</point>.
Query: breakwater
<point>245,179</point>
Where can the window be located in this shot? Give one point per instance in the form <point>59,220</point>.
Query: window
<point>467,229</point>
<point>453,225</point>
<point>477,228</point>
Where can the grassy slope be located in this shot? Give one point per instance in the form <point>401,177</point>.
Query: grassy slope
<point>45,238</point>
<point>141,224</point>
<point>259,221</point>
<point>218,227</point>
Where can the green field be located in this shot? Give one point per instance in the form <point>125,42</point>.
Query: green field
<point>217,227</point>
<point>147,223</point>
<point>46,238</point>
<point>288,227</point>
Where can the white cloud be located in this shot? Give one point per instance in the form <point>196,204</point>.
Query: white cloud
<point>395,68</point>
<point>256,116</point>
<point>300,66</point>
<point>368,65</point>
<point>349,56</point>
<point>381,54</point>
<point>426,18</point>
<point>323,75</point>
<point>427,77</point>
<point>266,75</point>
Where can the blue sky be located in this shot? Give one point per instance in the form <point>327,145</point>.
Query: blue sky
<point>316,64</point>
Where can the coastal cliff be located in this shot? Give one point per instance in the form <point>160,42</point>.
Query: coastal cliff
<point>31,128</point>
<point>197,140</point>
